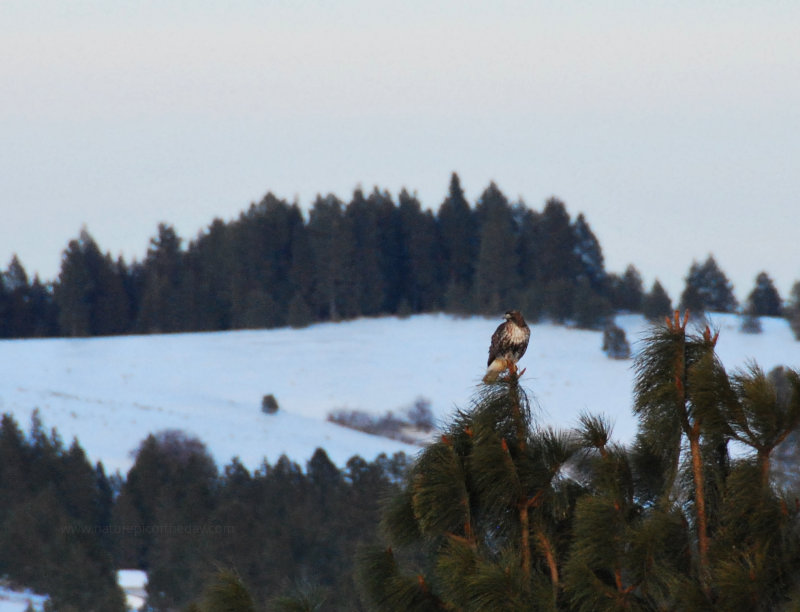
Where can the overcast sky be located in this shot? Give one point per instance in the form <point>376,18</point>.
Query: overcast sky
<point>674,127</point>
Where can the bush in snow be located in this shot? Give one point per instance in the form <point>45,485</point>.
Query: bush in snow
<point>269,405</point>
<point>615,345</point>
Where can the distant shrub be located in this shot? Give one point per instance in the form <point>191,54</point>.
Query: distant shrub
<point>750,324</point>
<point>420,414</point>
<point>615,345</point>
<point>269,405</point>
<point>419,417</point>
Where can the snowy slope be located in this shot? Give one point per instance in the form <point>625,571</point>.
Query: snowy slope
<point>111,392</point>
<point>18,601</point>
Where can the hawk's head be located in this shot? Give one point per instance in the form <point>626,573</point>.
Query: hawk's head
<point>514,316</point>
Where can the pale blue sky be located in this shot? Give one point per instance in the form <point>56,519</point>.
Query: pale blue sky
<point>675,127</point>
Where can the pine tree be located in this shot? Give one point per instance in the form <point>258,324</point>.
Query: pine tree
<point>484,510</point>
<point>363,280</point>
<point>459,246</point>
<point>500,515</point>
<point>210,268</point>
<point>656,303</point>
<point>792,310</point>
<point>328,245</point>
<point>496,277</point>
<point>589,256</point>
<point>707,289</point>
<point>627,292</point>
<point>764,300</point>
<point>421,286</point>
<point>89,292</point>
<point>161,308</point>
<point>227,593</point>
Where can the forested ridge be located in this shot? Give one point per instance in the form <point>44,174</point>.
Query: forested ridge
<point>66,525</point>
<point>273,266</point>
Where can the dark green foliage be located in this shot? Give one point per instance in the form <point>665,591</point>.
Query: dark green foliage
<point>500,515</point>
<point>272,267</point>
<point>656,303</point>
<point>792,310</point>
<point>707,289</point>
<point>328,243</point>
<point>90,292</point>
<point>627,291</point>
<point>590,310</point>
<point>162,276</point>
<point>53,514</point>
<point>496,263</point>
<point>227,593</point>
<point>589,256</point>
<point>459,247</point>
<point>485,506</point>
<point>764,300</point>
<point>306,598</point>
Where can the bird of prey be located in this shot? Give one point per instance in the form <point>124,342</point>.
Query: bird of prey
<point>509,342</point>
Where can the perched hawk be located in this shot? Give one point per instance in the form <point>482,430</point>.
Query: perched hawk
<point>509,342</point>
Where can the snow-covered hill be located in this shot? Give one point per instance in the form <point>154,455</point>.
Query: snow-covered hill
<point>111,392</point>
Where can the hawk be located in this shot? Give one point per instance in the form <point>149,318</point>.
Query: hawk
<point>509,342</point>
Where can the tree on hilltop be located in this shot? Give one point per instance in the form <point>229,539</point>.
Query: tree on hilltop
<point>764,300</point>
<point>707,289</point>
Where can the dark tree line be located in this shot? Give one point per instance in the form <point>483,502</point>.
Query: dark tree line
<point>52,502</point>
<point>65,527</point>
<point>273,266</point>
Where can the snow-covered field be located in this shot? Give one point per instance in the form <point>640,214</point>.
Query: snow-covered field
<point>111,392</point>
<point>17,601</point>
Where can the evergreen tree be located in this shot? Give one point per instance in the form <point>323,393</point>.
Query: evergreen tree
<point>162,306</point>
<point>529,229</point>
<point>656,303</point>
<point>792,310</point>
<point>557,251</point>
<point>303,278</point>
<point>615,344</point>
<point>496,268</point>
<point>227,593</point>
<point>421,288</point>
<point>707,289</point>
<point>326,235</point>
<point>484,511</point>
<point>627,291</point>
<point>590,310</point>
<point>364,283</point>
<point>589,256</point>
<point>764,300</point>
<point>89,292</point>
<point>52,508</point>
<point>210,269</point>
<point>459,246</point>
<point>43,308</point>
<point>16,315</point>
<point>501,515</point>
<point>392,249</point>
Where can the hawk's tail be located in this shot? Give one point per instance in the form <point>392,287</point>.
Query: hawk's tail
<point>494,371</point>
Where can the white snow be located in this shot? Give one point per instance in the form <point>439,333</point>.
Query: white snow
<point>17,601</point>
<point>133,583</point>
<point>111,392</point>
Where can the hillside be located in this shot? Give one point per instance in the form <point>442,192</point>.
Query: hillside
<point>111,392</point>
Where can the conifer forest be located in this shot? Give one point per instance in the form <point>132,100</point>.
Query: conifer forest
<point>370,256</point>
<point>500,512</point>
